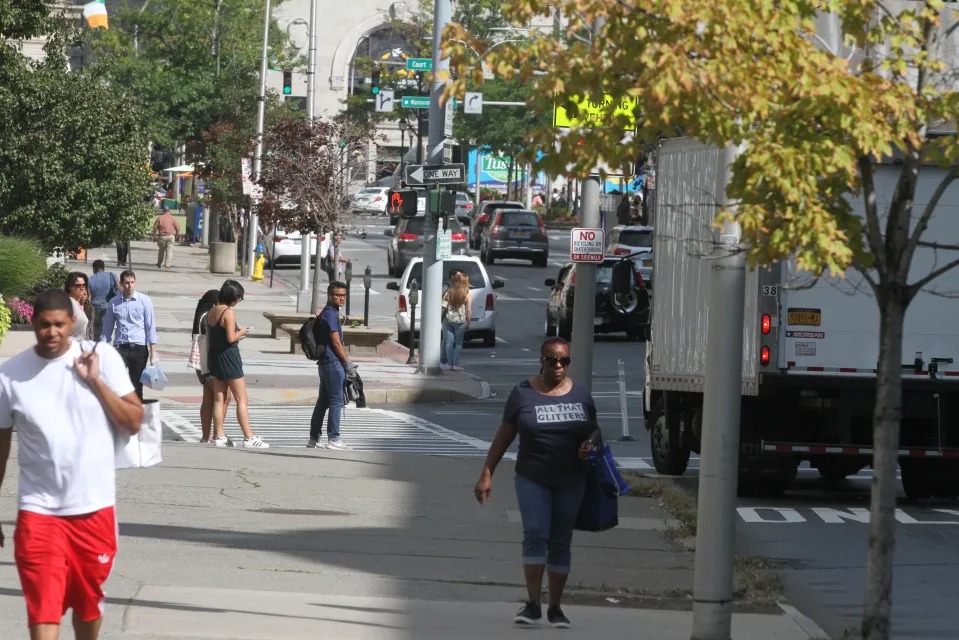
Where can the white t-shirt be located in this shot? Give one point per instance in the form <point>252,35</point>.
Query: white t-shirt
<point>64,438</point>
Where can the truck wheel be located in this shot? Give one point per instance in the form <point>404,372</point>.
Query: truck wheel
<point>540,261</point>
<point>838,468</point>
<point>565,330</point>
<point>670,457</point>
<point>550,326</point>
<point>917,481</point>
<point>489,339</point>
<point>946,480</point>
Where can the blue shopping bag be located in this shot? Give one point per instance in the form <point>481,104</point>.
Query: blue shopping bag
<point>599,510</point>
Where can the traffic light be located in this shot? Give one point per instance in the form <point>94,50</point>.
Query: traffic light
<point>402,202</point>
<point>375,82</point>
<point>287,82</point>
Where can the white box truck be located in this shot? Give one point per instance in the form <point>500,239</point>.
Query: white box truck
<point>810,347</point>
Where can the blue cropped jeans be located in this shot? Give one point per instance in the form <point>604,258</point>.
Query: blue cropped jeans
<point>548,514</point>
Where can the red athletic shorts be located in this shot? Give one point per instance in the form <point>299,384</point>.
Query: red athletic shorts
<point>63,562</point>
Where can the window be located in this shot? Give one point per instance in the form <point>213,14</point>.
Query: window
<point>519,219</point>
<point>369,191</point>
<point>470,268</point>
<point>415,225</point>
<point>636,238</point>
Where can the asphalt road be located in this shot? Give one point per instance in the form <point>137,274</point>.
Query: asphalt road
<point>817,531</point>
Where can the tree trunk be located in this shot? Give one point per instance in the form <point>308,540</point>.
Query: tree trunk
<point>887,416</point>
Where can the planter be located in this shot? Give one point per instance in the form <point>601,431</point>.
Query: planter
<point>364,340</point>
<point>223,257</point>
<point>20,327</point>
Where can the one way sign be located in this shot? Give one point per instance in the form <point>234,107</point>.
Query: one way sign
<point>420,174</point>
<point>384,101</point>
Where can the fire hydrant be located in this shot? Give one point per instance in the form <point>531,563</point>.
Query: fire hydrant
<point>258,263</point>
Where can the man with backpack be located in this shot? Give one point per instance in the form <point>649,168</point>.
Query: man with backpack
<point>323,336</point>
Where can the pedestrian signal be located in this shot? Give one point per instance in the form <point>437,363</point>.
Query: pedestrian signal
<point>402,202</point>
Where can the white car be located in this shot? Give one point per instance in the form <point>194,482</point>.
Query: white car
<point>482,299</point>
<point>371,200</point>
<point>286,246</point>
<point>623,240</point>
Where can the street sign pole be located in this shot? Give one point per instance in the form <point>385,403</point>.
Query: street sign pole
<point>581,368</point>
<point>258,151</point>
<point>432,269</point>
<point>304,296</point>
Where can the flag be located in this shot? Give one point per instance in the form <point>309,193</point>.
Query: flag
<point>95,13</point>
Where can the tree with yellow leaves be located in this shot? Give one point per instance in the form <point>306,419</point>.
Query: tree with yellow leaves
<point>815,115</point>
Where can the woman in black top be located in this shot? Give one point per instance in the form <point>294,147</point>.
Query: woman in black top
<point>555,418</point>
<point>207,302</point>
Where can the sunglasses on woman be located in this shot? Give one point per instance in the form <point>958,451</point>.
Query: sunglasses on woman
<point>550,361</point>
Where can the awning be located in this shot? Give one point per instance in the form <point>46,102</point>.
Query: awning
<point>183,168</point>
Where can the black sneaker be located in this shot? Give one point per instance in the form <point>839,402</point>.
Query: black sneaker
<point>531,613</point>
<point>556,618</point>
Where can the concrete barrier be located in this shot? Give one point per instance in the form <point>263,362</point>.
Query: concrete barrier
<point>223,257</point>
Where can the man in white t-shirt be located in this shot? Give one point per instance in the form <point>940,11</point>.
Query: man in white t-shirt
<point>65,399</point>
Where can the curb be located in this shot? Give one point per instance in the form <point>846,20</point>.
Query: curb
<point>803,622</point>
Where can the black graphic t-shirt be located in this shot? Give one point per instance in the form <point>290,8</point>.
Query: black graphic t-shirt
<point>551,429</point>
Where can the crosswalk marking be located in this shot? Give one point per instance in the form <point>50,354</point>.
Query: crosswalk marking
<point>362,429</point>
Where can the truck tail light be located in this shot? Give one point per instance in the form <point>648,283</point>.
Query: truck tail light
<point>483,218</point>
<point>765,324</point>
<point>639,280</point>
<point>458,237</point>
<point>764,356</point>
<point>402,304</point>
<point>279,238</point>
<point>620,251</point>
<point>489,301</point>
<point>407,237</point>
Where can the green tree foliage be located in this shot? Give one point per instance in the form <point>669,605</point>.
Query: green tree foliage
<point>813,118</point>
<point>73,168</point>
<point>192,63</point>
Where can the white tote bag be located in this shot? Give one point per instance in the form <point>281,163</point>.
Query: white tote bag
<point>142,449</point>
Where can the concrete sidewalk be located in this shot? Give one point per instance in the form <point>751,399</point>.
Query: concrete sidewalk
<point>274,376</point>
<point>278,545</point>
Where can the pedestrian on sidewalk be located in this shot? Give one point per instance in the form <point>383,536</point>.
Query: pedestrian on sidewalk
<point>65,539</point>
<point>555,418</point>
<point>206,303</point>
<point>77,287</point>
<point>226,366</point>
<point>456,302</point>
<point>165,231</point>
<point>334,365</point>
<point>103,287</point>
<point>130,326</point>
<point>123,252</point>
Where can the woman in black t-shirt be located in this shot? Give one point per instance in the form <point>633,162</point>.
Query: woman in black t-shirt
<point>555,418</point>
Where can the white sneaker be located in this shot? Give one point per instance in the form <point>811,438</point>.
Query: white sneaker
<point>256,443</point>
<point>338,444</point>
<point>223,441</point>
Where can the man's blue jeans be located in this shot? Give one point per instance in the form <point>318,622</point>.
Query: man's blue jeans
<point>549,514</point>
<point>332,377</point>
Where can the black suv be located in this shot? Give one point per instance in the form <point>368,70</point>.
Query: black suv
<point>482,217</point>
<point>633,319</point>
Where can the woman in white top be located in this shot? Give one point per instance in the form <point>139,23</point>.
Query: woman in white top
<point>456,301</point>
<point>77,287</point>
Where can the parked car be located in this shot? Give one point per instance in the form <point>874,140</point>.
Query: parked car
<point>482,300</point>
<point>623,240</point>
<point>371,200</point>
<point>407,242</point>
<point>287,245</point>
<point>464,209</point>
<point>481,218</point>
<point>633,319</point>
<point>515,233</point>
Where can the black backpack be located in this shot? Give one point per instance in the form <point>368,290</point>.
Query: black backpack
<point>311,348</point>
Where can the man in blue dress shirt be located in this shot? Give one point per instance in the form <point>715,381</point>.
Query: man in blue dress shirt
<point>129,324</point>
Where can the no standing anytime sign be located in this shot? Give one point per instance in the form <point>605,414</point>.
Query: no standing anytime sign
<point>587,245</point>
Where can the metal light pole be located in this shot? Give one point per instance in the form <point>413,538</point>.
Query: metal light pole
<point>403,125</point>
<point>367,283</point>
<point>304,297</point>
<point>349,279</point>
<point>258,152</point>
<point>719,466</point>
<point>432,269</point>
<point>584,300</point>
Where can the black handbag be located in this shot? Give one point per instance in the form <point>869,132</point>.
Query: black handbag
<point>599,510</point>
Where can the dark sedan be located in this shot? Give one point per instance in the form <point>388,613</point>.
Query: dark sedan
<point>631,318</point>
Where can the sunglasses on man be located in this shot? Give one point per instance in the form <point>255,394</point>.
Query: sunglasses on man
<point>551,361</point>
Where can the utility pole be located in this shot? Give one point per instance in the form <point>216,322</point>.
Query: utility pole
<point>584,302</point>
<point>304,297</point>
<point>432,270</point>
<point>719,466</point>
<point>258,152</point>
